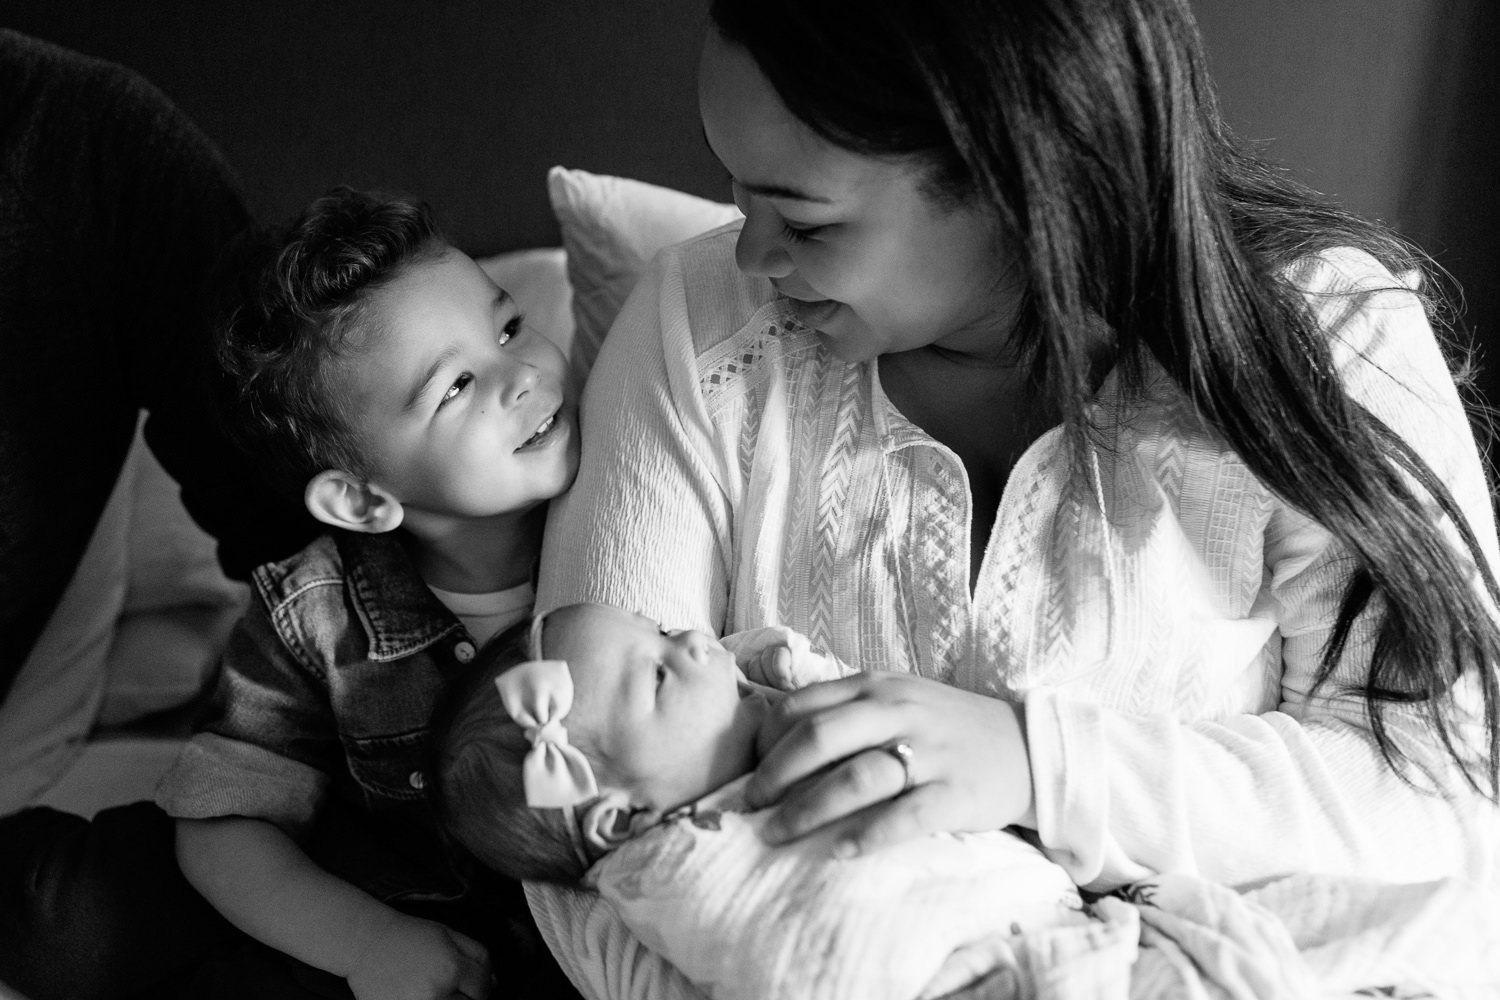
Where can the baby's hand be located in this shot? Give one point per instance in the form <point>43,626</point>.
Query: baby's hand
<point>771,666</point>
<point>412,959</point>
<point>780,657</point>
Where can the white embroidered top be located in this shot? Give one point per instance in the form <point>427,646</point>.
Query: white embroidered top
<point>1161,615</point>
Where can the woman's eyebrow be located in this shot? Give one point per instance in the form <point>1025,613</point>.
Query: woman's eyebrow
<point>768,190</point>
<point>781,191</point>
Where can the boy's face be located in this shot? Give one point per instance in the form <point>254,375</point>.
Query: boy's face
<point>463,410</point>
<point>659,713</point>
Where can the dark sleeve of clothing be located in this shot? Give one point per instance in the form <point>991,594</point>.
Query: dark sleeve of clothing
<point>271,748</point>
<point>113,210</point>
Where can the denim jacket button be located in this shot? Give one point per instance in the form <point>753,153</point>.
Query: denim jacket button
<point>417,780</point>
<point>463,651</point>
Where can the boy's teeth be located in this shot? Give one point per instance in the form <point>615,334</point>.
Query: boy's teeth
<point>546,425</point>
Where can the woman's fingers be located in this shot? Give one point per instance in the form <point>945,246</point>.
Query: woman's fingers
<point>813,729</point>
<point>830,762</point>
<point>914,814</point>
<point>859,781</point>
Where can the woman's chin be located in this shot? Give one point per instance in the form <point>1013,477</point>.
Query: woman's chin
<point>847,350</point>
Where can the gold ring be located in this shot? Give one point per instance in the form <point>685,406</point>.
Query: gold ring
<point>903,754</point>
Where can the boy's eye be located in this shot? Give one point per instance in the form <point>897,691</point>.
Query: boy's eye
<point>456,389</point>
<point>511,328</point>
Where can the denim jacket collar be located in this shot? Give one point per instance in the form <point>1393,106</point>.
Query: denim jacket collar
<point>400,615</point>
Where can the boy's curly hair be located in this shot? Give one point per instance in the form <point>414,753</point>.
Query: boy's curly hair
<point>288,299</point>
<point>477,791</point>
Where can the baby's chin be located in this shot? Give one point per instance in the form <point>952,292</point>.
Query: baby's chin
<point>755,705</point>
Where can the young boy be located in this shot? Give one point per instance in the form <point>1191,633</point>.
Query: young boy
<point>379,374</point>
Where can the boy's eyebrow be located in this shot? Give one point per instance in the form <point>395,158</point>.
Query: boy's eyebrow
<point>769,190</point>
<point>420,385</point>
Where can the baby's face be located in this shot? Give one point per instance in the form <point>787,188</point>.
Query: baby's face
<point>659,713</point>
<point>465,411</point>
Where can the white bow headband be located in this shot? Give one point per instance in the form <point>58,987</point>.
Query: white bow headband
<point>538,695</point>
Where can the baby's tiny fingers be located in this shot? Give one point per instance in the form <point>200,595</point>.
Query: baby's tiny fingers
<point>781,668</point>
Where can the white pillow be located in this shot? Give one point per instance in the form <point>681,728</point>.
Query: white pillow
<point>611,228</point>
<point>179,605</point>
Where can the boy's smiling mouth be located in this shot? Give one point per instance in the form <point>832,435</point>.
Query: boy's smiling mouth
<point>541,432</point>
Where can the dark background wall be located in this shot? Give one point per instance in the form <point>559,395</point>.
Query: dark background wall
<point>1391,105</point>
<point>464,102</point>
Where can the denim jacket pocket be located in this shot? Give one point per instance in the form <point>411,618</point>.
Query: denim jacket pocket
<point>389,769</point>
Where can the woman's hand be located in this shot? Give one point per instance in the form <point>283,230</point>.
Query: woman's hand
<point>827,759</point>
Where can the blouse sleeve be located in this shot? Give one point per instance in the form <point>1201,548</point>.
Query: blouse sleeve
<point>1303,788</point>
<point>646,524</point>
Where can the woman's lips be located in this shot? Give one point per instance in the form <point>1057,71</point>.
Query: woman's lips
<point>813,314</point>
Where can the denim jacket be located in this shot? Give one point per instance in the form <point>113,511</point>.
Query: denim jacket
<point>322,715</point>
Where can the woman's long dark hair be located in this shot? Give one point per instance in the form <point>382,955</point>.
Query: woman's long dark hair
<point>1092,127</point>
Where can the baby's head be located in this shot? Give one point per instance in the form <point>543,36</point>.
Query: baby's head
<point>378,374</point>
<point>657,716</point>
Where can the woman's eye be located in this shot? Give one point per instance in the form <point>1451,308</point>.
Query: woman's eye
<point>511,328</point>
<point>661,673</point>
<point>794,235</point>
<point>456,389</point>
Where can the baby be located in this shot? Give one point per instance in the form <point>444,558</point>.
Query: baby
<point>598,747</point>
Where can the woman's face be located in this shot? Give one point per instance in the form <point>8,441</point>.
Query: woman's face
<point>863,254</point>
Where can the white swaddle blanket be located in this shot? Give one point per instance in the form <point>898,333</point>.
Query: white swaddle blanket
<point>742,919</point>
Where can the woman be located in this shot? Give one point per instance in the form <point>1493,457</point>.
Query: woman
<point>1137,463</point>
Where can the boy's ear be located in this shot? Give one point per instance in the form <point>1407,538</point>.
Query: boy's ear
<point>344,501</point>
<point>612,819</point>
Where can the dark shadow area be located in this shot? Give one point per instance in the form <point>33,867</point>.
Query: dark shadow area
<point>463,102</point>
<point>1452,195</point>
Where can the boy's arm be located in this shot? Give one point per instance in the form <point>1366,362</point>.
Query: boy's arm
<point>260,769</point>
<point>257,876</point>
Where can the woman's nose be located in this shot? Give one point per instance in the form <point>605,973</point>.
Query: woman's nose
<point>759,251</point>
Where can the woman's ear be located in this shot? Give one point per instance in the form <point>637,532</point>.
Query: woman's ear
<point>344,501</point>
<point>611,819</point>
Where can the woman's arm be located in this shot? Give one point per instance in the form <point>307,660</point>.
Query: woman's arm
<point>1303,788</point>
<point>647,524</point>
<point>1120,794</point>
<point>263,883</point>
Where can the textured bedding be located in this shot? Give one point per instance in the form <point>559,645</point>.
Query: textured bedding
<point>746,921</point>
<point>1174,937</point>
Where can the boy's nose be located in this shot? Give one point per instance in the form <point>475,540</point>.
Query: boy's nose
<point>519,381</point>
